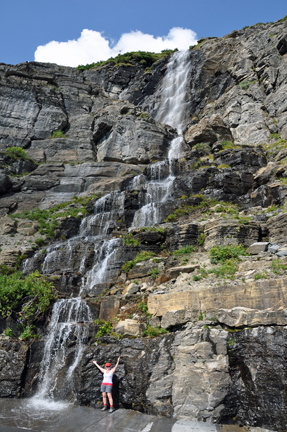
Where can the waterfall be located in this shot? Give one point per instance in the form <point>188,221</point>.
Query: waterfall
<point>171,111</point>
<point>64,325</point>
<point>71,317</point>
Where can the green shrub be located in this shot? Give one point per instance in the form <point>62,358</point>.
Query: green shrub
<point>219,254</point>
<point>145,58</point>
<point>129,240</point>
<point>58,134</point>
<point>222,166</point>
<point>154,331</point>
<point>8,332</point>
<point>244,220</point>
<point>227,145</point>
<point>29,333</point>
<point>154,273</point>
<point>40,241</point>
<point>105,329</point>
<point>141,256</point>
<point>203,148</point>
<point>284,19</point>
<point>260,276</point>
<point>278,267</point>
<point>244,85</point>
<point>171,218</point>
<point>276,136</point>
<point>16,153</point>
<point>29,296</point>
<point>153,228</point>
<point>196,278</point>
<point>185,250</point>
<point>227,270</point>
<point>229,209</point>
<point>143,307</point>
<point>201,239</point>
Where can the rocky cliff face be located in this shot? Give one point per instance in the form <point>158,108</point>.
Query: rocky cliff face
<point>110,181</point>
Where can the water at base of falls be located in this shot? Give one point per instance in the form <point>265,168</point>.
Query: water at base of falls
<point>43,416</point>
<point>70,319</point>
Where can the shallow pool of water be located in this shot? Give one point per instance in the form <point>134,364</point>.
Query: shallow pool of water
<point>38,415</point>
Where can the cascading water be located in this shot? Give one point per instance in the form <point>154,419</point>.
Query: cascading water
<point>70,317</point>
<point>171,111</point>
<point>64,325</point>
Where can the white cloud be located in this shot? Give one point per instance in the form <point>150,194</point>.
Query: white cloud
<point>92,46</point>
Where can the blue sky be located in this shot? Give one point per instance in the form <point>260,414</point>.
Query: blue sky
<point>27,24</point>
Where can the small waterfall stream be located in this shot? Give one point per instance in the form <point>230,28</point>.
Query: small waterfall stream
<point>70,317</point>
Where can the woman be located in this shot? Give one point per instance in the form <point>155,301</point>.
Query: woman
<point>107,384</point>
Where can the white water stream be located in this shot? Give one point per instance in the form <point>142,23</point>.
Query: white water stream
<point>171,112</point>
<point>69,319</point>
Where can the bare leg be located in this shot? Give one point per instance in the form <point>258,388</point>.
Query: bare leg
<point>105,398</point>
<point>110,399</point>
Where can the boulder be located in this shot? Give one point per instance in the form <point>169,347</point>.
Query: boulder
<point>26,227</point>
<point>7,226</point>
<point>281,252</point>
<point>173,272</point>
<point>257,248</point>
<point>130,327</point>
<point>143,269</point>
<point>273,248</point>
<point>208,131</point>
<point>24,166</point>
<point>131,289</point>
<point>263,175</point>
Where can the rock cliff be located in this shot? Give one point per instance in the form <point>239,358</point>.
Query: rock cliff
<point>142,225</point>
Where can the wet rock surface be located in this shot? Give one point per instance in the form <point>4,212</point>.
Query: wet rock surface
<point>13,358</point>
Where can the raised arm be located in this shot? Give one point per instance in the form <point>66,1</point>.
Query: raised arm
<point>99,367</point>
<point>115,368</point>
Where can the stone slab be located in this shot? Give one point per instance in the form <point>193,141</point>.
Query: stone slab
<point>260,295</point>
<point>173,272</point>
<point>257,247</point>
